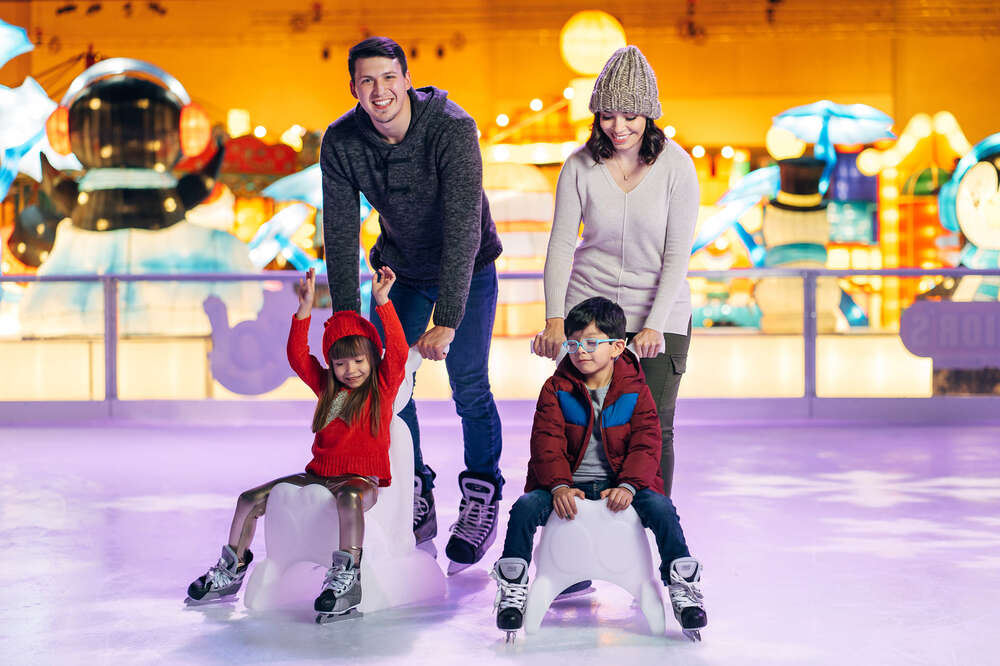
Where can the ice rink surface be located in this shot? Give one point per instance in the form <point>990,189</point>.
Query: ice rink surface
<point>821,544</point>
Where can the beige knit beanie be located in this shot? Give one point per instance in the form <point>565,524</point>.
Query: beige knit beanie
<point>627,84</point>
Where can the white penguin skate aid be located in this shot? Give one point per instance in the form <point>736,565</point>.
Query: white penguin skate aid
<point>597,544</point>
<point>301,527</point>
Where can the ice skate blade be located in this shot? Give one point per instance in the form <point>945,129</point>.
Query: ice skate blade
<point>574,594</point>
<point>511,637</point>
<point>693,635</point>
<point>228,598</point>
<point>457,567</point>
<point>429,548</point>
<point>329,618</point>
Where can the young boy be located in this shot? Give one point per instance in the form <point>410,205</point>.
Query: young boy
<point>596,435</point>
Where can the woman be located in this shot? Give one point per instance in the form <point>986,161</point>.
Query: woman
<point>636,194</point>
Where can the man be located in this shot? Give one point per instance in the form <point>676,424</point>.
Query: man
<point>415,156</point>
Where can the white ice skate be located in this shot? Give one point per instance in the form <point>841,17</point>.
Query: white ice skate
<point>686,597</point>
<point>511,575</point>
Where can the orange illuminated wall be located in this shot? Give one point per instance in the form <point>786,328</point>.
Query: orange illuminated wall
<point>910,233</point>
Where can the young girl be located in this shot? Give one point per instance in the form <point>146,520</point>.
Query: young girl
<point>351,447</point>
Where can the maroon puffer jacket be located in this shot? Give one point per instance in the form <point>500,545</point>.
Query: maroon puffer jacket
<point>564,419</point>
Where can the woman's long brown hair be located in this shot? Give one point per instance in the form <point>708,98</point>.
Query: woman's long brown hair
<point>351,346</point>
<point>601,148</point>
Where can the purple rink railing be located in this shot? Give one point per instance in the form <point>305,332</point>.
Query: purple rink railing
<point>809,279</point>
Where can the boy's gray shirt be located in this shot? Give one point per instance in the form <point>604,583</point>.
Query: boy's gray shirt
<point>594,464</point>
<point>436,228</point>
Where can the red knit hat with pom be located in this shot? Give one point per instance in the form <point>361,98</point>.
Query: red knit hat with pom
<point>348,322</point>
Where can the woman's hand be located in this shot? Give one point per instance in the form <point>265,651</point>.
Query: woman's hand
<point>548,343</point>
<point>382,281</point>
<point>648,343</point>
<point>305,289</point>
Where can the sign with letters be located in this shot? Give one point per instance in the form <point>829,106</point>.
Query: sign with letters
<point>957,335</point>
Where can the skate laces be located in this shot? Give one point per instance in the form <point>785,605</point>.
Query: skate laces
<point>475,520</point>
<point>420,509</point>
<point>509,595</point>
<point>220,575</point>
<point>684,594</point>
<point>339,579</point>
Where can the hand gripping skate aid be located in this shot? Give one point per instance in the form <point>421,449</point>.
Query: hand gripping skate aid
<point>301,527</point>
<point>597,544</point>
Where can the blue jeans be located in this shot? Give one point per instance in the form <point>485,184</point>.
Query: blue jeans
<point>656,512</point>
<point>467,364</point>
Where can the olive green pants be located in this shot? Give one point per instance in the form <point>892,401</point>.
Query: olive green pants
<point>663,376</point>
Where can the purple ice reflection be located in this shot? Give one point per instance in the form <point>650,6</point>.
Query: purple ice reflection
<point>821,545</point>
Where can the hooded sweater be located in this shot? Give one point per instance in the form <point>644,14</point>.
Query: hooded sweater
<point>564,422</point>
<point>435,223</point>
<point>342,448</point>
<point>636,245</point>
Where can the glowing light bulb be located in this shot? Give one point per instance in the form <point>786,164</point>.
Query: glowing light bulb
<point>503,120</point>
<point>698,151</point>
<point>728,152</point>
<point>535,104</point>
<point>569,93</point>
<point>260,131</point>
<point>670,131</point>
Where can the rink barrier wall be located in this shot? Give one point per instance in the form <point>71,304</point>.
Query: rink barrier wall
<point>807,408</point>
<point>694,412</point>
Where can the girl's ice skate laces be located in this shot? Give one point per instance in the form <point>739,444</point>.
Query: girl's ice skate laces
<point>339,579</point>
<point>220,576</point>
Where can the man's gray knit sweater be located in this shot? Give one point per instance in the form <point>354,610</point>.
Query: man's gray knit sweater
<point>436,228</point>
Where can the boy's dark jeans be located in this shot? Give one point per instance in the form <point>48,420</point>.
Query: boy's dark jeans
<point>656,512</point>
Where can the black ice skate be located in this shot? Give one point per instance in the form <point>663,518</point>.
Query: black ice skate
<point>476,527</point>
<point>223,580</point>
<point>685,596</point>
<point>511,575</point>
<point>341,593</point>
<point>425,526</point>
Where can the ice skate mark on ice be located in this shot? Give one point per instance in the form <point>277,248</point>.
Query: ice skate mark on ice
<point>859,487</point>
<point>169,503</point>
<point>907,539</point>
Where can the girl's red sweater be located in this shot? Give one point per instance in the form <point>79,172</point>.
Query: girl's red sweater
<point>340,448</point>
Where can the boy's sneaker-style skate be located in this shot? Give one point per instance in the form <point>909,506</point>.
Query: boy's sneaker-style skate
<point>685,596</point>
<point>222,580</point>
<point>341,593</point>
<point>424,517</point>
<point>476,527</point>
<point>511,575</point>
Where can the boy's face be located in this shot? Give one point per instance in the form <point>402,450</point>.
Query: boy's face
<point>589,363</point>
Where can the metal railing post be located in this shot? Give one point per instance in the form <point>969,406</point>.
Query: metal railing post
<point>110,338</point>
<point>809,332</point>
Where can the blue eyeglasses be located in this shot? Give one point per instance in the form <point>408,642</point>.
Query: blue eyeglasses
<point>588,345</point>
